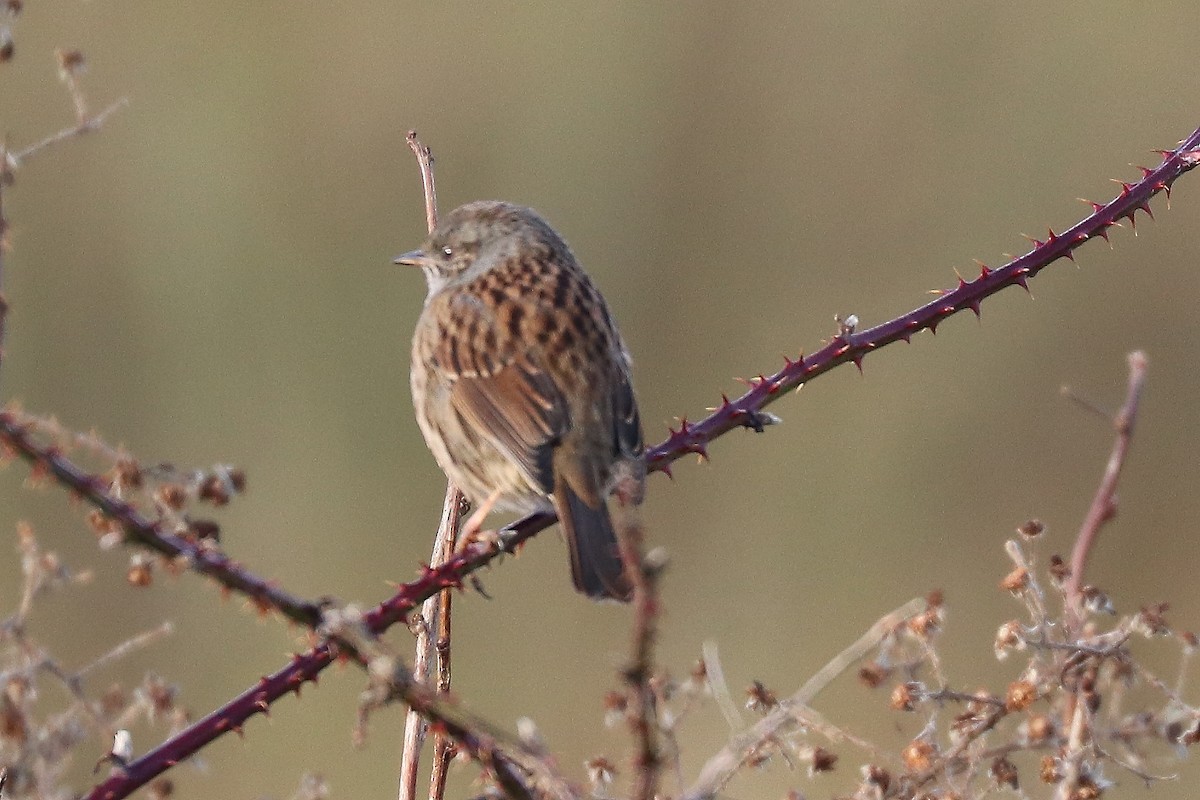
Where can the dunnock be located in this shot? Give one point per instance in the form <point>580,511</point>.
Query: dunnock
<point>521,382</point>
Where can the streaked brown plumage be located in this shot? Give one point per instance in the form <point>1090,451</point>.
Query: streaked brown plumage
<point>521,381</point>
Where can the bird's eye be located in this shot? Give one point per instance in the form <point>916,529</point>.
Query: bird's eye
<point>447,251</point>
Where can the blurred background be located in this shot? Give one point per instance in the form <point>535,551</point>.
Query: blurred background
<point>209,279</point>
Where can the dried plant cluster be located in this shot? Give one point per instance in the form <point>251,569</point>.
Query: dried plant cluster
<point>39,737</point>
<point>1081,711</point>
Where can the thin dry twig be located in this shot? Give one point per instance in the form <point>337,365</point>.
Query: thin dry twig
<point>1103,507</point>
<point>720,769</point>
<point>433,628</point>
<point>645,572</point>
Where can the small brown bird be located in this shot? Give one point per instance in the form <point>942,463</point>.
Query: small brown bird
<point>521,381</point>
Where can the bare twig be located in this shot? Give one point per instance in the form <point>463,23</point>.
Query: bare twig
<point>645,572</point>
<point>5,180</point>
<point>433,631</point>
<point>85,125</point>
<point>1103,506</point>
<point>720,769</point>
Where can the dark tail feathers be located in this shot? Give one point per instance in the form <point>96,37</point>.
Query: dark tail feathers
<point>596,565</point>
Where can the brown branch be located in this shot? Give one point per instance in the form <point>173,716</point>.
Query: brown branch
<point>645,572</point>
<point>1103,507</point>
<point>5,179</point>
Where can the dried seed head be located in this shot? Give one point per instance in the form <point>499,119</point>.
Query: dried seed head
<point>1050,770</point>
<point>821,760</point>
<point>1004,773</point>
<point>601,771</point>
<point>1059,571</point>
<point>905,696</point>
<point>918,755</point>
<point>140,572</point>
<point>1020,695</point>
<point>172,496</point>
<point>1032,529</point>
<point>1036,731</point>
<point>759,698</point>
<point>1151,621</point>
<point>1016,581</point>
<point>1097,602</point>
<point>1008,637</point>
<point>873,674</point>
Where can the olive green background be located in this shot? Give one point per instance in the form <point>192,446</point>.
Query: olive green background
<point>208,279</point>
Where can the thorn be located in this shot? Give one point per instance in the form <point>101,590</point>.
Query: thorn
<point>984,270</point>
<point>1145,206</point>
<point>974,306</point>
<point>1035,242</point>
<point>1125,187</point>
<point>933,327</point>
<point>1020,280</point>
<point>666,470</point>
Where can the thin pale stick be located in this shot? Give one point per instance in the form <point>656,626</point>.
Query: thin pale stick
<point>433,635</point>
<point>721,768</point>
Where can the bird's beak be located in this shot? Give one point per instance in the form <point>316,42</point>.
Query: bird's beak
<point>413,258</point>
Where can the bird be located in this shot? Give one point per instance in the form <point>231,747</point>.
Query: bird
<point>522,384</point>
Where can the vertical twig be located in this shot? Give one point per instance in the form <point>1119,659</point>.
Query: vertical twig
<point>1104,506</point>
<point>644,571</point>
<point>5,179</point>
<point>433,626</point>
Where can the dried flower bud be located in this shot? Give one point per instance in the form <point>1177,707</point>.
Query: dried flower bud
<point>1032,529</point>
<point>127,473</point>
<point>615,704</point>
<point>759,698</point>
<point>876,778</point>
<point>70,63</point>
<point>1020,695</point>
<point>1016,581</point>
<point>1004,773</point>
<point>1096,601</point>
<point>873,674</point>
<point>1035,731</point>
<point>1050,770</point>
<point>1059,571</point>
<point>918,755</point>
<point>140,573</point>
<point>1151,621</point>
<point>1008,637</point>
<point>171,495</point>
<point>821,760</point>
<point>601,771</point>
<point>204,530</point>
<point>905,695</point>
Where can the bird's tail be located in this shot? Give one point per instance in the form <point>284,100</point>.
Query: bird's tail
<point>596,565</point>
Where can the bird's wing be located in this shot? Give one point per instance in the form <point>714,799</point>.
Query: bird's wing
<point>500,390</point>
